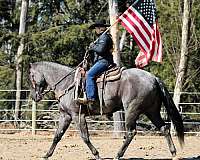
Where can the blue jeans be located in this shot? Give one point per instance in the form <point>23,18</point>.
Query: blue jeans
<point>91,87</point>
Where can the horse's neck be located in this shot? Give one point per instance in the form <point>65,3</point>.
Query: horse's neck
<point>58,80</point>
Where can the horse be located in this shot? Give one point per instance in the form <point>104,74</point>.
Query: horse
<point>136,92</point>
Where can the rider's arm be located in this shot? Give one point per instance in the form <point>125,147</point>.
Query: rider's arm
<point>102,45</point>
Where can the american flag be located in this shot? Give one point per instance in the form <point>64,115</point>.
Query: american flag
<point>140,20</point>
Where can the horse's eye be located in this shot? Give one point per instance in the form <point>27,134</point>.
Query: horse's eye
<point>32,80</point>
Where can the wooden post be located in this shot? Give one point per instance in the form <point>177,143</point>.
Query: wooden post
<point>34,106</point>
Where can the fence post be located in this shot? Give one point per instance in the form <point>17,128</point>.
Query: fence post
<point>34,106</point>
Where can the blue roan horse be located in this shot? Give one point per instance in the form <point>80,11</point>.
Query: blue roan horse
<point>136,92</point>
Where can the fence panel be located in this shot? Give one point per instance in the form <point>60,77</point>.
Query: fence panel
<point>35,118</point>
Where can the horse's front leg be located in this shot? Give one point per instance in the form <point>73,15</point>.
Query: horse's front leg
<point>82,126</point>
<point>64,122</point>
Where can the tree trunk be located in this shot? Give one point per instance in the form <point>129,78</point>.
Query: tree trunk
<point>122,41</point>
<point>22,26</point>
<point>113,11</point>
<point>184,52</point>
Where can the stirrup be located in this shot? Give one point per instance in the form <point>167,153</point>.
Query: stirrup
<point>85,101</point>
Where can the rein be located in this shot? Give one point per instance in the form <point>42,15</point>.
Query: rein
<point>53,89</point>
<point>63,79</point>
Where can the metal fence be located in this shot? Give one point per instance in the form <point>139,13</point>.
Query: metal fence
<point>33,118</point>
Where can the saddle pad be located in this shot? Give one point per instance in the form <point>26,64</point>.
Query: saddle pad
<point>111,75</point>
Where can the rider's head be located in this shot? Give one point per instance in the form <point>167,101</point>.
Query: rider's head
<point>99,26</point>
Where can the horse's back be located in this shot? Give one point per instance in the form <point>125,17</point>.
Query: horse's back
<point>139,78</point>
<point>132,80</point>
<point>138,87</point>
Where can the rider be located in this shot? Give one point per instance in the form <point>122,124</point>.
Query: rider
<point>101,51</point>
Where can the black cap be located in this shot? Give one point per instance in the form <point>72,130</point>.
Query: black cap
<point>99,23</point>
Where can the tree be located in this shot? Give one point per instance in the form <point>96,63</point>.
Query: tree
<point>113,9</point>
<point>184,51</point>
<point>22,26</point>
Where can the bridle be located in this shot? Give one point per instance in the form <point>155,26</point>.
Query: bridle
<point>35,84</point>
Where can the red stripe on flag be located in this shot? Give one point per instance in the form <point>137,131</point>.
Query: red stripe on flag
<point>141,60</point>
<point>158,37</point>
<point>141,22</point>
<point>135,38</point>
<point>147,37</point>
<point>158,52</point>
<point>141,57</point>
<point>158,43</point>
<point>153,45</point>
<point>138,31</point>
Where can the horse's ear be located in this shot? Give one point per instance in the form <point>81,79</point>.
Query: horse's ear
<point>30,65</point>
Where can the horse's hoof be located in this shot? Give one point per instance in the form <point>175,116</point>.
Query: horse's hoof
<point>98,158</point>
<point>177,158</point>
<point>45,157</point>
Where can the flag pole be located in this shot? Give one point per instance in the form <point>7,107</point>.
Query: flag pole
<point>117,20</point>
<point>107,30</point>
<point>110,26</point>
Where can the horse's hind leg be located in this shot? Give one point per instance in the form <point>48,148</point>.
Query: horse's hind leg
<point>128,138</point>
<point>156,119</point>
<point>64,122</point>
<point>82,126</point>
<point>131,118</point>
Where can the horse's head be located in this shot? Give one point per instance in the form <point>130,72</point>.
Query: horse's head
<point>38,83</point>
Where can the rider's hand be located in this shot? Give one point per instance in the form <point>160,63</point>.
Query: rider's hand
<point>91,45</point>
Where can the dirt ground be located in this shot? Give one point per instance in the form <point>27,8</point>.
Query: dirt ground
<point>20,146</point>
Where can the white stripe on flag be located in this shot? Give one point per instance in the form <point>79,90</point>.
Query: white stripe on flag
<point>140,27</point>
<point>135,33</point>
<point>143,20</point>
<point>147,37</point>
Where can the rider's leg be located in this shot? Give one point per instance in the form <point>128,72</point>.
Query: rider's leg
<point>95,70</point>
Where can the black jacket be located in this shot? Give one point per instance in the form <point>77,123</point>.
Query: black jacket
<point>102,49</point>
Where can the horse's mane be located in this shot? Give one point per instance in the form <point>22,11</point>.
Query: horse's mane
<point>50,65</point>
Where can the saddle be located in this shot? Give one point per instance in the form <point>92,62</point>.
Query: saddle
<point>112,74</point>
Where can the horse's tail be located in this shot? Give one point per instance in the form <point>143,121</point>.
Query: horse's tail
<point>172,111</point>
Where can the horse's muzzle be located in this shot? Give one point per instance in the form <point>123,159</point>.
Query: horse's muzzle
<point>36,96</point>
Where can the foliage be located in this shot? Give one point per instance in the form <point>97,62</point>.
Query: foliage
<point>7,76</point>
